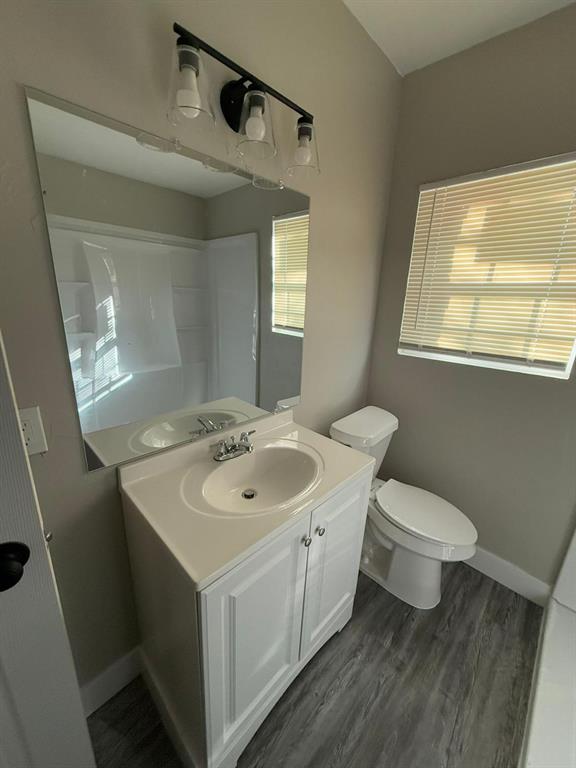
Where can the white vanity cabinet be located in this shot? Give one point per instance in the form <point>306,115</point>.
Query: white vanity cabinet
<point>218,654</point>
<point>251,623</point>
<point>337,529</point>
<point>263,620</point>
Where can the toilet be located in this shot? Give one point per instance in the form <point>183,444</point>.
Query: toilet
<point>409,532</point>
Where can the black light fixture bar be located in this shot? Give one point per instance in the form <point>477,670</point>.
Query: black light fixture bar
<point>190,39</point>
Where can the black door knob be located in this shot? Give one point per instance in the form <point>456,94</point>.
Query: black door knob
<point>13,557</point>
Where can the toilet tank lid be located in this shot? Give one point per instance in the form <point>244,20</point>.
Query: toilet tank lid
<point>365,427</point>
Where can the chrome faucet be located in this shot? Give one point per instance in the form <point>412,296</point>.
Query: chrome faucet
<point>230,449</point>
<point>209,426</point>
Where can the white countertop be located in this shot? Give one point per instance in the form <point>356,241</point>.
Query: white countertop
<point>113,445</point>
<point>208,546</point>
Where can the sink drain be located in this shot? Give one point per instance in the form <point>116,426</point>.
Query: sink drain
<point>249,493</point>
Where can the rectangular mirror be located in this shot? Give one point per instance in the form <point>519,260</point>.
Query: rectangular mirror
<point>182,289</point>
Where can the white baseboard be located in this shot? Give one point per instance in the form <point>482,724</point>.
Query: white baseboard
<point>107,684</point>
<point>173,728</point>
<point>510,576</point>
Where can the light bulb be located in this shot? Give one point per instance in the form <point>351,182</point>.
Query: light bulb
<point>255,127</point>
<point>188,99</point>
<point>303,153</point>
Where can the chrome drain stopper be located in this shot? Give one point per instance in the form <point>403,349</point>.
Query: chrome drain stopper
<point>249,493</point>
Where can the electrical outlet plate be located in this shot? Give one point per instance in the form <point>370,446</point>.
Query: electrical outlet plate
<point>33,430</point>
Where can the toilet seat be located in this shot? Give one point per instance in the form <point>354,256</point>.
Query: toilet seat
<point>422,514</point>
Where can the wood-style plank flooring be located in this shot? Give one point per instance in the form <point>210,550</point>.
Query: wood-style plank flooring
<point>397,688</point>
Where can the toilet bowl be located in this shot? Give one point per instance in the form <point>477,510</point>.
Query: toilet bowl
<point>418,531</point>
<point>409,532</point>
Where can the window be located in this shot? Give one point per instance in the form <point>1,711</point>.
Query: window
<point>492,278</point>
<point>289,266</point>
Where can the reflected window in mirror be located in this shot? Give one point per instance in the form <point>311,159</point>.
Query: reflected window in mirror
<point>289,273</point>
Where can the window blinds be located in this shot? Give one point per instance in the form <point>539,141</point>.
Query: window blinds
<point>492,277</point>
<point>289,267</point>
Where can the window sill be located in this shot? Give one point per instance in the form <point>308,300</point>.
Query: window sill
<point>288,332</point>
<point>497,365</point>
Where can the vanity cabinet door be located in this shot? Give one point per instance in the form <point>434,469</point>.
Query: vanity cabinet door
<point>251,622</point>
<point>337,531</point>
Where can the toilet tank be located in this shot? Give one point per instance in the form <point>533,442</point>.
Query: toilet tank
<point>368,430</point>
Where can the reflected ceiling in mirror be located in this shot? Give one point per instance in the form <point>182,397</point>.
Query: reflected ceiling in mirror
<point>182,290</point>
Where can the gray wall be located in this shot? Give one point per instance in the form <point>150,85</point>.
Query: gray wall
<point>501,446</point>
<point>248,209</point>
<point>71,189</point>
<point>120,67</point>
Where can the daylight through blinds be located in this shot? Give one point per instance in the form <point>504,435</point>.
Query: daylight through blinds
<point>493,269</point>
<point>289,265</point>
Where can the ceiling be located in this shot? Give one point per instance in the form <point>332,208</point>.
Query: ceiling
<point>69,137</point>
<point>415,33</point>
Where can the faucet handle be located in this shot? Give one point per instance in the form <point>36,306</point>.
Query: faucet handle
<point>207,424</point>
<point>245,435</point>
<point>221,448</point>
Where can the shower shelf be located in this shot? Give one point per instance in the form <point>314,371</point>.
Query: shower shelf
<point>189,288</point>
<point>81,335</point>
<point>76,284</point>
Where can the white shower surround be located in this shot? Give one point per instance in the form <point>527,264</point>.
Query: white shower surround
<point>206,305</point>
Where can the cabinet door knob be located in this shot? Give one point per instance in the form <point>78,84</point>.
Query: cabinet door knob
<point>307,541</point>
<point>320,531</point>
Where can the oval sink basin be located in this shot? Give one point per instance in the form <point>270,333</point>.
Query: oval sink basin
<point>277,473</point>
<point>177,429</point>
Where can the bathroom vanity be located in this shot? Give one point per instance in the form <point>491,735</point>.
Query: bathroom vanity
<point>242,570</point>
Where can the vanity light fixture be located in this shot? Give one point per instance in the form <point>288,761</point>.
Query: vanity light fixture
<point>190,89</point>
<point>188,99</point>
<point>246,108</point>
<point>256,133</point>
<point>305,155</point>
